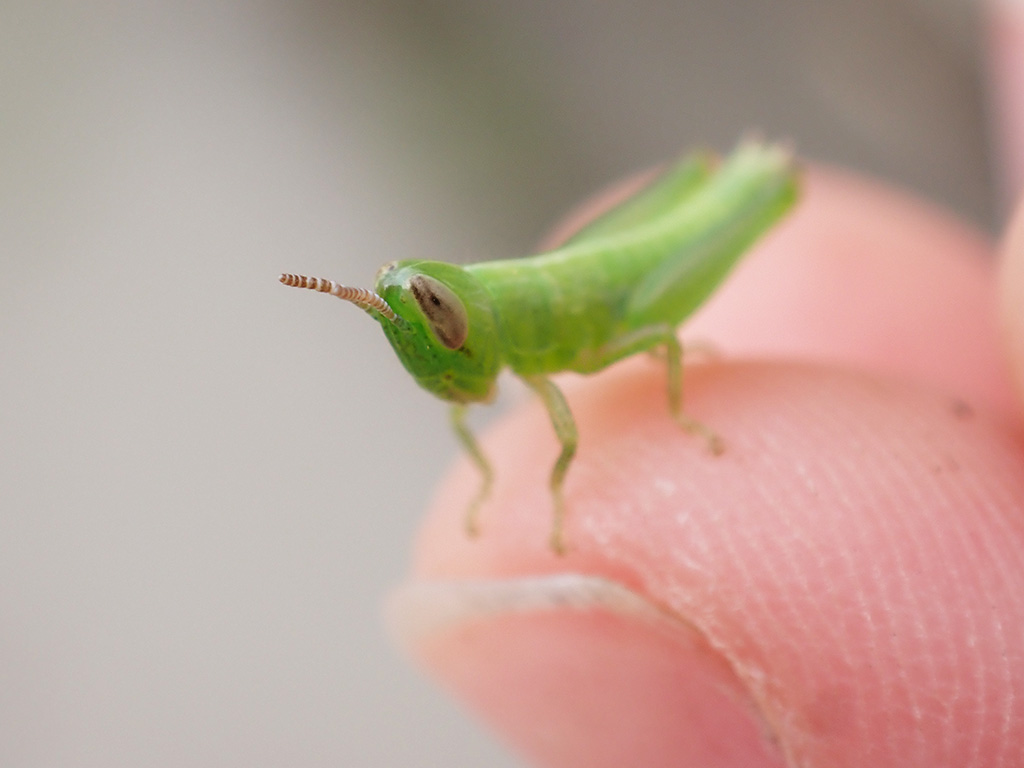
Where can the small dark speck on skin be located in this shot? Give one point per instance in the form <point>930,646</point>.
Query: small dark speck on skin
<point>961,409</point>
<point>945,464</point>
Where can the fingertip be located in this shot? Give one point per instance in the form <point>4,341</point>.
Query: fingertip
<point>852,561</point>
<point>840,558</point>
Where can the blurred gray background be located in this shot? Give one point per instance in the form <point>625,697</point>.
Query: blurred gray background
<point>209,482</point>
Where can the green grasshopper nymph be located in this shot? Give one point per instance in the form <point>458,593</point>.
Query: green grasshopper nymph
<point>619,286</point>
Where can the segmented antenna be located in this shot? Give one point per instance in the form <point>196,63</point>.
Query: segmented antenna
<point>361,297</point>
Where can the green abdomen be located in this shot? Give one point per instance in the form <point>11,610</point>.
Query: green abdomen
<point>618,291</point>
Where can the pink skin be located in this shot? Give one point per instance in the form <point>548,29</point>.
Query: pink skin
<point>843,587</point>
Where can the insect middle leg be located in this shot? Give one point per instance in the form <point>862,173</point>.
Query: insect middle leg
<point>565,430</point>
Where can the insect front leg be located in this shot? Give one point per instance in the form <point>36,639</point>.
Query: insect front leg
<point>565,430</point>
<point>472,447</point>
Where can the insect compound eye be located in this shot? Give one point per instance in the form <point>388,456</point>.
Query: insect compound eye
<point>444,311</point>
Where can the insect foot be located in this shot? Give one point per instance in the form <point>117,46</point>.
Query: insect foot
<point>557,539</point>
<point>714,443</point>
<point>472,523</point>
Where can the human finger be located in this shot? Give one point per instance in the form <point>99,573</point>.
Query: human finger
<point>840,588</point>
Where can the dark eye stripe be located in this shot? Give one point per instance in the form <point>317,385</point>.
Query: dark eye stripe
<point>444,311</point>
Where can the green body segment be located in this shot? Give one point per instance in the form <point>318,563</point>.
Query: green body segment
<point>609,292</point>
